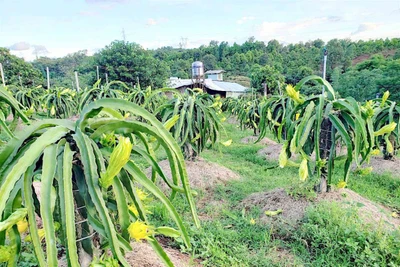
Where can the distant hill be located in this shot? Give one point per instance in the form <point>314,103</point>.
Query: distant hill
<point>130,63</point>
<point>385,53</point>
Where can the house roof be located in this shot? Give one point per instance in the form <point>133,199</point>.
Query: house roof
<point>177,83</point>
<point>213,85</point>
<point>229,87</point>
<point>214,71</point>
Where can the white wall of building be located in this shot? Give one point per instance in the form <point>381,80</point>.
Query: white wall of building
<point>233,94</point>
<point>215,77</point>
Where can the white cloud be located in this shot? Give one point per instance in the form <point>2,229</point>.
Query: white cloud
<point>30,54</point>
<point>363,27</point>
<point>325,28</point>
<point>295,31</point>
<point>88,13</point>
<point>243,20</point>
<point>172,2</point>
<point>21,46</point>
<point>105,1</point>
<point>154,22</point>
<point>151,22</point>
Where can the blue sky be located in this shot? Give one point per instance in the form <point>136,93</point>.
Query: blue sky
<point>61,27</point>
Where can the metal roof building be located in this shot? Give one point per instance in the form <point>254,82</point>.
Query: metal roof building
<point>213,87</point>
<point>215,75</point>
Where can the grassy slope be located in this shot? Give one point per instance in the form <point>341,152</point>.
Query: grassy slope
<point>243,159</point>
<point>228,239</point>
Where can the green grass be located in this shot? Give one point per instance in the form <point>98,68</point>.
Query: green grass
<point>227,238</point>
<point>256,173</point>
<point>338,237</point>
<point>384,189</point>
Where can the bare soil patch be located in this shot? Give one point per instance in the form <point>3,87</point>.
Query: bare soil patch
<point>202,174</point>
<point>143,255</point>
<point>364,57</point>
<point>371,212</point>
<point>253,138</point>
<point>382,166</point>
<point>270,152</point>
<point>283,257</point>
<point>232,120</point>
<point>209,208</point>
<point>294,209</point>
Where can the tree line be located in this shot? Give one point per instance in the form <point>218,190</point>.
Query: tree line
<point>361,69</point>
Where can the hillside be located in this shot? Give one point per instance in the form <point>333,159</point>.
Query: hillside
<point>249,64</point>
<point>363,57</point>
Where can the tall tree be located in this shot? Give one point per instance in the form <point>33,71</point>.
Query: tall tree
<point>130,63</point>
<point>17,71</point>
<point>210,62</point>
<point>266,79</point>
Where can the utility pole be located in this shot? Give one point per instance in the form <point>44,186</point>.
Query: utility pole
<point>2,74</point>
<point>106,78</point>
<point>183,43</point>
<point>77,81</point>
<point>48,77</point>
<point>97,71</point>
<point>324,68</point>
<point>264,84</point>
<point>123,35</point>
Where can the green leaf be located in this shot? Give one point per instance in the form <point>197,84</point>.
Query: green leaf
<point>330,91</point>
<point>20,167</point>
<point>33,228</point>
<point>175,155</point>
<point>15,217</point>
<point>92,179</point>
<point>46,209</point>
<point>345,136</point>
<point>168,231</point>
<point>68,206</point>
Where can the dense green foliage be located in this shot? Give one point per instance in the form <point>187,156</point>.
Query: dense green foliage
<point>9,106</point>
<point>74,159</point>
<point>15,67</point>
<point>62,70</point>
<point>360,69</point>
<point>226,234</point>
<point>369,79</point>
<point>266,79</point>
<point>130,63</point>
<point>89,186</point>
<point>197,122</point>
<point>315,128</point>
<point>114,89</point>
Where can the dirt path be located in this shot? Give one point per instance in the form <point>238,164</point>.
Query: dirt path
<point>294,209</point>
